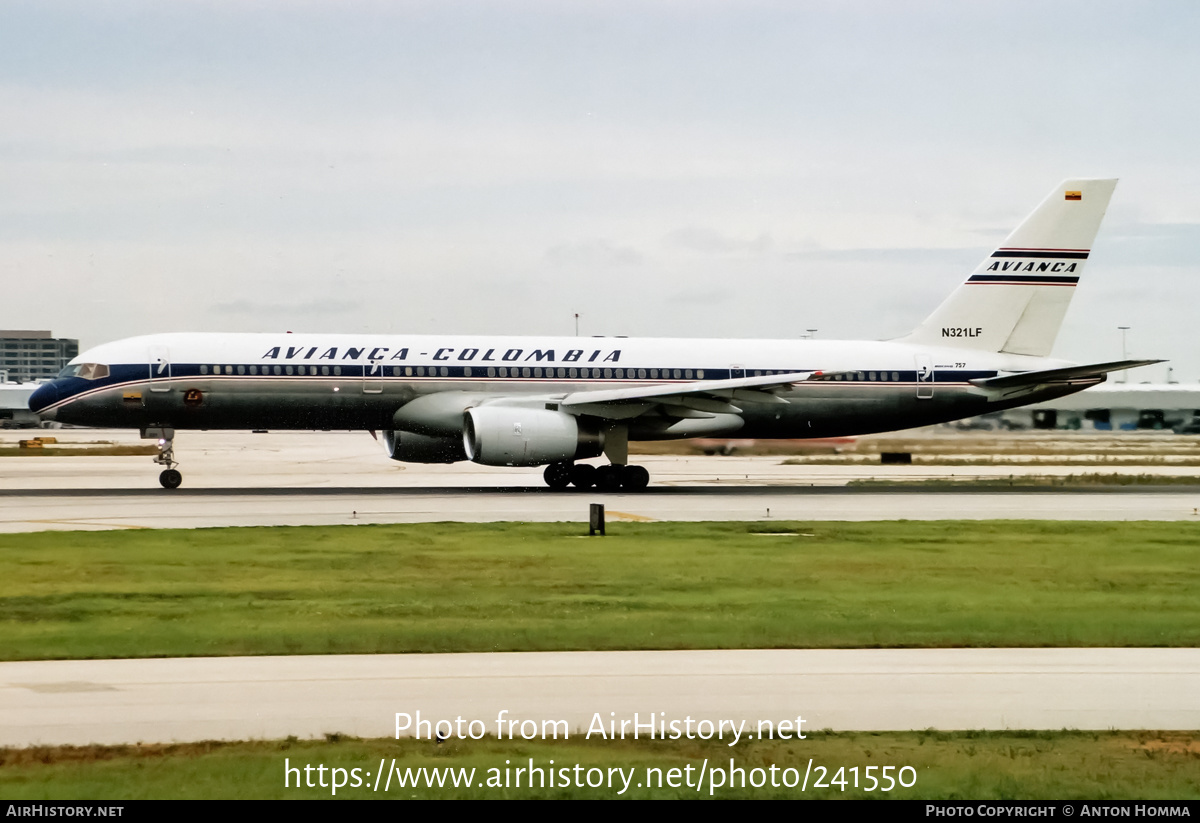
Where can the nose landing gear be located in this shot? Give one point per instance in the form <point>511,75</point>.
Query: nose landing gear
<point>170,477</point>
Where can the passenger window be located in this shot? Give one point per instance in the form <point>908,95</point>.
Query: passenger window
<point>337,369</point>
<point>408,371</point>
<point>254,369</point>
<point>287,369</point>
<point>204,369</point>
<point>573,373</point>
<point>641,374</point>
<point>537,372</point>
<point>229,369</point>
<point>241,369</point>
<point>504,371</point>
<point>688,374</point>
<point>700,374</point>
<point>420,371</point>
<point>467,371</point>
<point>278,370</point>
<point>445,371</point>
<point>895,375</point>
<point>654,374</point>
<point>491,371</point>
<point>620,373</point>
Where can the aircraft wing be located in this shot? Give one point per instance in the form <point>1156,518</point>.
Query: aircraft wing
<point>698,398</point>
<point>1009,384</point>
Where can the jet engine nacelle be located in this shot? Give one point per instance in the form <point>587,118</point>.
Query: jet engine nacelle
<point>516,436</point>
<point>421,448</point>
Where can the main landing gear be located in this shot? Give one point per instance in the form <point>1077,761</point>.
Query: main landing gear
<point>610,478</point>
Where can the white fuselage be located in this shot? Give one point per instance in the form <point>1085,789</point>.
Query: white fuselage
<point>324,381</point>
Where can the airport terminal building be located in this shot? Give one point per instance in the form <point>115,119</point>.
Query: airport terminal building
<point>1108,407</point>
<point>31,356</point>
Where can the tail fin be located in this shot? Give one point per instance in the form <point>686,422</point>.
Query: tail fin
<point>1015,299</point>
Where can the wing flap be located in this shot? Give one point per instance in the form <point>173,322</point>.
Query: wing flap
<point>685,400</point>
<point>712,388</point>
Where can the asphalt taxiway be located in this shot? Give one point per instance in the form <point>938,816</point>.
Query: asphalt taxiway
<point>191,699</point>
<point>334,478</point>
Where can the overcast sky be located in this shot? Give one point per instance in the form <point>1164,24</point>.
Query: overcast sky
<point>700,169</point>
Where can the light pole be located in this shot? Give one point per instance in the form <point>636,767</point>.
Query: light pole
<point>1124,353</point>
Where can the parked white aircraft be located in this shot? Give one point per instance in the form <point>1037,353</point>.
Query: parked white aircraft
<point>533,401</point>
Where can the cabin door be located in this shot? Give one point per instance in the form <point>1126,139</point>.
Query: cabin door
<point>925,376</point>
<point>373,378</point>
<point>160,368</point>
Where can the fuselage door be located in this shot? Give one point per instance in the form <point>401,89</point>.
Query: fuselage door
<point>160,368</point>
<point>736,371</point>
<point>924,376</point>
<point>373,378</point>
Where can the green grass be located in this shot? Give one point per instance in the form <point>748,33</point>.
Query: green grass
<point>954,765</point>
<point>520,587</point>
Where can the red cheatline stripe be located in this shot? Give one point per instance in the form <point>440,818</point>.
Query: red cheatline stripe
<point>1018,248</point>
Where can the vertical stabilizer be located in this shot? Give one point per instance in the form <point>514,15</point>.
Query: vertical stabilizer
<point>1015,299</point>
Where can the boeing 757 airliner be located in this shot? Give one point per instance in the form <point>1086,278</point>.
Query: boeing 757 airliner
<point>556,401</point>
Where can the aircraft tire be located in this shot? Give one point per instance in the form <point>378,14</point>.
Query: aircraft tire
<point>558,475</point>
<point>634,478</point>
<point>170,479</point>
<point>608,478</point>
<point>583,475</point>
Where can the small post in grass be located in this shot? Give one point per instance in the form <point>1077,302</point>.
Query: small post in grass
<point>596,520</point>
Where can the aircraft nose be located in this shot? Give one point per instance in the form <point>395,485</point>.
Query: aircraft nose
<point>43,396</point>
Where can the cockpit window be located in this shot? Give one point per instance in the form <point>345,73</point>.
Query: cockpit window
<point>88,371</point>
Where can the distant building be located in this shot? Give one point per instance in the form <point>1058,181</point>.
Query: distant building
<point>14,406</point>
<point>1108,407</point>
<point>29,356</point>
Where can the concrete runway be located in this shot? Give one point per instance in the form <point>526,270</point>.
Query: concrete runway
<point>190,699</point>
<point>330,478</point>
<point>339,478</point>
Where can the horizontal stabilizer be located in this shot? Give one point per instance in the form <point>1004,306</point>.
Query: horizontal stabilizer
<point>1070,375</point>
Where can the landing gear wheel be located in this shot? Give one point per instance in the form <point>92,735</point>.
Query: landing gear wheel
<point>583,475</point>
<point>634,478</point>
<point>558,475</point>
<point>608,478</point>
<point>170,479</point>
